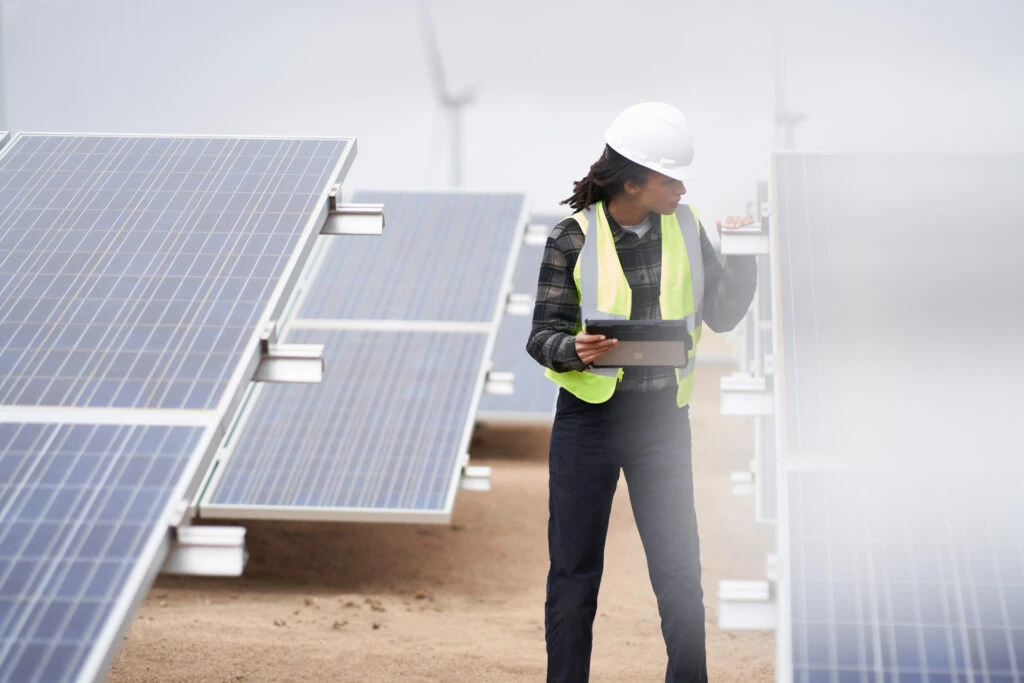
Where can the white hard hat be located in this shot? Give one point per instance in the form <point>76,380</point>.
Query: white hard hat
<point>654,135</point>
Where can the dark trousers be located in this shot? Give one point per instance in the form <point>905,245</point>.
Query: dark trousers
<point>648,437</point>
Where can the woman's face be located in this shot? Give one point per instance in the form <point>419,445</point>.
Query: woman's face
<point>660,193</point>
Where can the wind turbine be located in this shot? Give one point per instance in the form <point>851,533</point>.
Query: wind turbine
<point>452,102</point>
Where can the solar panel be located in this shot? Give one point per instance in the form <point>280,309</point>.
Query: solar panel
<point>534,396</point>
<point>897,323</point>
<point>386,433</point>
<point>891,271</point>
<point>442,258</point>
<point>4,137</point>
<point>380,438</point>
<point>906,576</point>
<point>134,270</point>
<point>81,531</point>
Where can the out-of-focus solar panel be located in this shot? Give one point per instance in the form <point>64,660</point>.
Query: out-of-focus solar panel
<point>80,538</point>
<point>906,577</point>
<point>899,300</point>
<point>534,396</point>
<point>4,137</point>
<point>133,270</point>
<point>442,258</point>
<point>379,439</point>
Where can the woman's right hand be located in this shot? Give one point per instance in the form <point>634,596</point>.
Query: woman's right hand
<point>590,347</point>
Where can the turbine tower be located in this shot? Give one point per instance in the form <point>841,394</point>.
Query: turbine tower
<point>451,102</point>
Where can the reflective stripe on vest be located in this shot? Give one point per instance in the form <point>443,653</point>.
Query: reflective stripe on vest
<point>681,296</point>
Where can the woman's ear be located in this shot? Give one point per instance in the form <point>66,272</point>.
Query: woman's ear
<point>631,187</point>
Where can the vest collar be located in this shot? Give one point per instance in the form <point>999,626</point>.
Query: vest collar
<point>618,233</point>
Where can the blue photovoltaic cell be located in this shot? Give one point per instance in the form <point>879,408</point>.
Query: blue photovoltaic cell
<point>896,309</point>
<point>134,269</point>
<point>442,257</point>
<point>901,577</point>
<point>78,503</point>
<point>382,432</point>
<point>534,396</point>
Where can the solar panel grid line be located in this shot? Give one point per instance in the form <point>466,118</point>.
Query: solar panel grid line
<point>276,172</point>
<point>136,585</point>
<point>83,482</point>
<point>115,328</point>
<point>534,398</point>
<point>195,460</point>
<point>390,325</point>
<point>413,456</point>
<point>414,290</point>
<point>365,478</point>
<point>938,596</point>
<point>111,416</point>
<point>72,536</point>
<point>499,310</point>
<point>1001,582</point>
<point>292,272</point>
<point>175,146</point>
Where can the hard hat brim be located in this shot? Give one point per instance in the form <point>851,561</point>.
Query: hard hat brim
<point>681,173</point>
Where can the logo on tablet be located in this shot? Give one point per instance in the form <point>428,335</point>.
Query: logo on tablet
<point>638,355</point>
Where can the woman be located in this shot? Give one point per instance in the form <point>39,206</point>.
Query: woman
<point>631,250</point>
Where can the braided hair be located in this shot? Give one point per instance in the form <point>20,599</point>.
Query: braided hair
<point>607,178</point>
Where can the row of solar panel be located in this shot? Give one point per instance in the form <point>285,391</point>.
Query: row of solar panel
<point>133,271</point>
<point>409,397</point>
<point>909,566</point>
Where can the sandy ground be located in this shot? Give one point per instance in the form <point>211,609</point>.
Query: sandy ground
<point>463,602</point>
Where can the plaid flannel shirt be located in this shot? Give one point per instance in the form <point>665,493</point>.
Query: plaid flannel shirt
<point>728,292</point>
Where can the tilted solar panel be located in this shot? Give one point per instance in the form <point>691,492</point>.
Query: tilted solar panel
<point>408,328</point>
<point>81,528</point>
<point>908,576</point>
<point>133,270</point>
<point>380,438</point>
<point>442,258</point>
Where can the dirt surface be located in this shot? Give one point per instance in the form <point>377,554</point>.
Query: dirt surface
<point>460,602</point>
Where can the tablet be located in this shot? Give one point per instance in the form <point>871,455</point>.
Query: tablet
<point>643,342</point>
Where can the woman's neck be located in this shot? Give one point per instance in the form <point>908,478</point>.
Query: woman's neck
<point>625,212</point>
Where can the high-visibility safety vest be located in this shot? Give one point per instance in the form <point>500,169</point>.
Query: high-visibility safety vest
<point>681,297</point>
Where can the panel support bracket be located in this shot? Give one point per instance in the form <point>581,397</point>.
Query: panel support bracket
<point>519,304</point>
<point>746,606</point>
<point>353,219</point>
<point>207,551</point>
<point>500,383</point>
<point>475,478</point>
<point>746,396</point>
<point>290,363</point>
<point>748,240</point>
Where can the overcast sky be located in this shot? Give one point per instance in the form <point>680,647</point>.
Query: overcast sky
<point>551,74</point>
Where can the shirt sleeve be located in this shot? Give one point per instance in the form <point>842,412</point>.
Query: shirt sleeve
<point>556,314</point>
<point>728,288</point>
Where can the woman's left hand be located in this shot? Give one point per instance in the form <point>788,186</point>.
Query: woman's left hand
<point>733,222</point>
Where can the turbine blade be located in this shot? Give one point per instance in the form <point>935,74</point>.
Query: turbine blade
<point>433,49</point>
